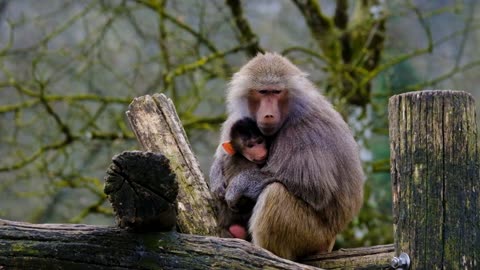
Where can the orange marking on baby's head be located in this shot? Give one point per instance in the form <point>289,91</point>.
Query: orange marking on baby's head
<point>228,147</point>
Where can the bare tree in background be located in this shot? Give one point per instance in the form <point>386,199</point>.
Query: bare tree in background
<point>68,70</point>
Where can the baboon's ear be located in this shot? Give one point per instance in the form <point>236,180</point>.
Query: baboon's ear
<point>228,148</point>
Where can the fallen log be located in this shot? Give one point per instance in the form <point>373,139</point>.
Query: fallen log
<point>67,246</point>
<point>77,246</point>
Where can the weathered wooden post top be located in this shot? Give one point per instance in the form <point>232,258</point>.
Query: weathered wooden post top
<point>435,179</point>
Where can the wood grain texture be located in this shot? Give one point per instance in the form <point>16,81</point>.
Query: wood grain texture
<point>76,246</point>
<point>375,257</point>
<point>158,129</point>
<point>435,179</point>
<point>142,190</point>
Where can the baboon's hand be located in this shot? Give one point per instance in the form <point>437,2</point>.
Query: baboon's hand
<point>248,184</point>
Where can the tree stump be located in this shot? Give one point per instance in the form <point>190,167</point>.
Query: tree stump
<point>435,179</point>
<point>142,190</point>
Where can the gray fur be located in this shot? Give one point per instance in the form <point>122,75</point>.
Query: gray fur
<point>217,179</point>
<point>313,154</point>
<point>235,206</point>
<point>249,184</point>
<point>243,178</point>
<point>322,155</point>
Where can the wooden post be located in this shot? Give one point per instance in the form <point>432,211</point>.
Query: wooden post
<point>158,129</point>
<point>435,179</point>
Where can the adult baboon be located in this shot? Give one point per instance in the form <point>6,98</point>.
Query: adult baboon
<point>313,159</point>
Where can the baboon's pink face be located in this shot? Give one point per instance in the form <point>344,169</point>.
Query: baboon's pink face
<point>269,107</point>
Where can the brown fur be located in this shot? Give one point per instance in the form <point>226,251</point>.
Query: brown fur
<point>312,154</point>
<point>297,239</point>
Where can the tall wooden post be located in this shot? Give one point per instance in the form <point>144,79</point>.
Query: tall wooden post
<point>435,179</point>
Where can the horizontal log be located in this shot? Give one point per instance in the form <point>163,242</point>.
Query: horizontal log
<point>76,246</point>
<point>375,257</point>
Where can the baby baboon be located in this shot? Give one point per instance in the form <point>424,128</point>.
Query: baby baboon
<point>247,148</point>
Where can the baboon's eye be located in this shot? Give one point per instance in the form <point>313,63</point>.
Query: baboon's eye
<point>263,92</point>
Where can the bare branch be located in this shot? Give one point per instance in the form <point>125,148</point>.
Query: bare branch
<point>201,62</point>
<point>446,75</point>
<point>157,7</point>
<point>466,33</point>
<point>306,51</point>
<point>247,36</point>
<point>317,22</point>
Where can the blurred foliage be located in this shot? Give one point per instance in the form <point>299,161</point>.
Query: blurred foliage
<point>69,69</point>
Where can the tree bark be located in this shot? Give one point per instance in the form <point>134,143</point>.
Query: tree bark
<point>158,129</point>
<point>376,257</point>
<point>435,178</point>
<point>62,246</point>
<point>76,246</point>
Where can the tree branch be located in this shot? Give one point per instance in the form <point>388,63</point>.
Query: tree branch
<point>317,22</point>
<point>201,62</point>
<point>247,36</point>
<point>156,6</point>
